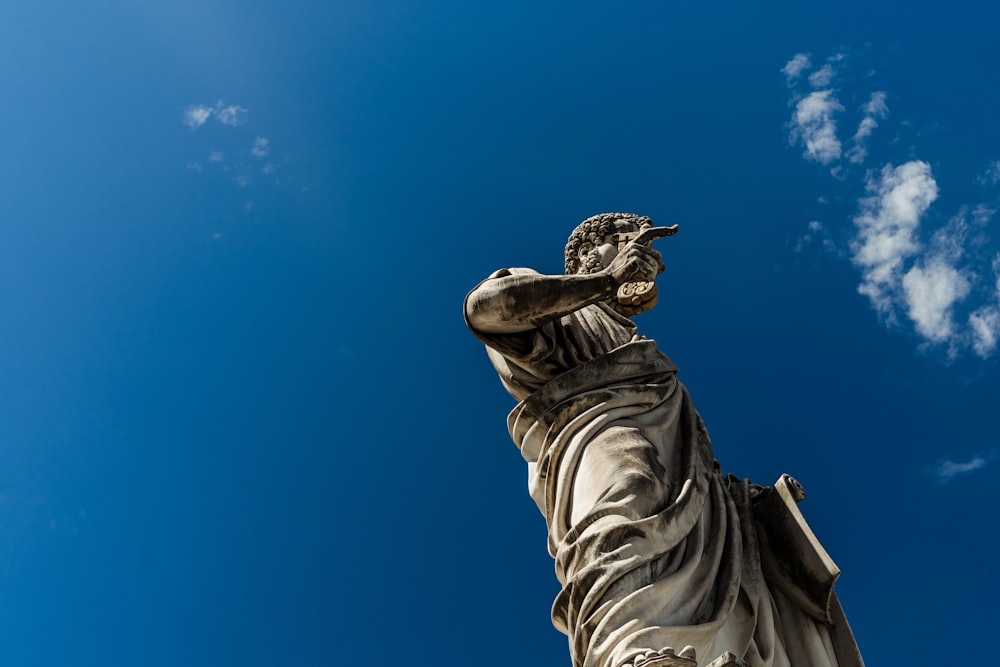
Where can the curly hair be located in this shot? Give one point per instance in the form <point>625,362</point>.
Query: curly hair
<point>592,232</point>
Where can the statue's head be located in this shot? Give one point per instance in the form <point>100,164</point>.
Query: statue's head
<point>596,240</point>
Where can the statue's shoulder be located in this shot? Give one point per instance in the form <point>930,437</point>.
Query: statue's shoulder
<point>513,271</point>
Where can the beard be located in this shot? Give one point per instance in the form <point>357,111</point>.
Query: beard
<point>592,263</point>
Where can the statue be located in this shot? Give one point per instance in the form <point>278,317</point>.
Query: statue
<point>664,561</point>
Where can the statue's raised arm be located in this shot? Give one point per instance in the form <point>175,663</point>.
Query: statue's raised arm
<point>514,303</point>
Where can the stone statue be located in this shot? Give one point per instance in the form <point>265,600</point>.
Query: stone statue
<point>664,561</point>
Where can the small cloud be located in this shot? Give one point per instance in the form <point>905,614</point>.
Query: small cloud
<point>817,232</point>
<point>876,105</point>
<point>814,127</point>
<point>822,77</point>
<point>242,180</point>
<point>814,227</point>
<point>985,326</point>
<point>268,168</point>
<point>931,291</point>
<point>196,115</point>
<point>945,470</point>
<point>194,166</point>
<point>875,109</point>
<point>216,236</point>
<point>887,224</point>
<point>248,206</point>
<point>215,156</point>
<point>261,147</point>
<point>231,115</point>
<point>984,322</point>
<point>992,174</point>
<point>982,214</point>
<point>793,68</point>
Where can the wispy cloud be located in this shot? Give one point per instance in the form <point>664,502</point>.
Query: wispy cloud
<point>231,115</point>
<point>261,147</point>
<point>984,322</point>
<point>992,174</point>
<point>793,69</point>
<point>944,470</point>
<point>875,110</point>
<point>817,232</point>
<point>822,77</point>
<point>985,326</point>
<point>196,115</point>
<point>814,127</point>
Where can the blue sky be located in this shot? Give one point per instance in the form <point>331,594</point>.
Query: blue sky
<point>244,421</point>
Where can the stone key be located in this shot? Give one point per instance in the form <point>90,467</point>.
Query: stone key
<point>640,295</point>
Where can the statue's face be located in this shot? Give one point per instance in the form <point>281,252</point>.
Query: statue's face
<point>594,258</point>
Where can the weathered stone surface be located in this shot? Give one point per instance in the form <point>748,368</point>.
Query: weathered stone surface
<point>654,546</point>
<point>727,659</point>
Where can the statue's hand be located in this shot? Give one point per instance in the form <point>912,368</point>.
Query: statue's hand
<point>636,262</point>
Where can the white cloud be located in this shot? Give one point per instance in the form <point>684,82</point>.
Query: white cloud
<point>813,126</point>
<point>931,292</point>
<point>982,214</point>
<point>984,324</point>
<point>231,115</point>
<point>946,470</point>
<point>992,174</point>
<point>887,224</point>
<point>876,105</point>
<point>875,109</point>
<point>260,147</point>
<point>196,115</point>
<point>822,77</point>
<point>215,156</point>
<point>806,239</point>
<point>817,233</point>
<point>794,67</point>
<point>948,243</point>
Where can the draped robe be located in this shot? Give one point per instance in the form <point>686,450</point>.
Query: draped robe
<point>652,545</point>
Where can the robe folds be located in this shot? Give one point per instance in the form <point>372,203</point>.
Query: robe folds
<point>653,546</point>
